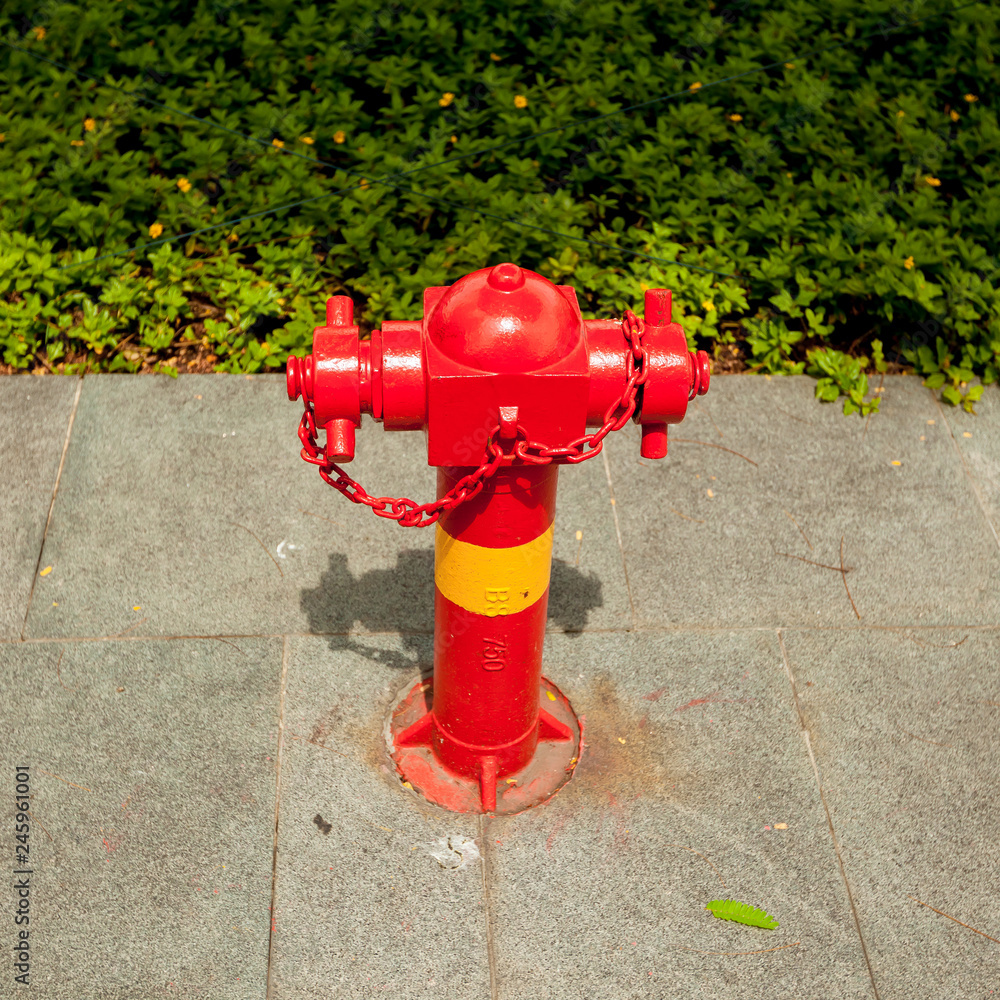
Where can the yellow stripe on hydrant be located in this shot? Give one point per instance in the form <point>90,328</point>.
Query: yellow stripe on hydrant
<point>492,582</point>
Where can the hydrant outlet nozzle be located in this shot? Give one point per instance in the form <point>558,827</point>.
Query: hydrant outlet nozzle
<point>340,440</point>
<point>299,377</point>
<point>654,441</point>
<point>701,373</point>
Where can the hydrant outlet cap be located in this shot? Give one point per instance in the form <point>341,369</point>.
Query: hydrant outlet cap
<point>506,277</point>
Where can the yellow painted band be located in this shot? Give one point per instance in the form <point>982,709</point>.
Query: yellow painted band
<point>492,582</point>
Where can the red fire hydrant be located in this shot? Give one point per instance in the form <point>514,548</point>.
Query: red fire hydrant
<point>505,376</point>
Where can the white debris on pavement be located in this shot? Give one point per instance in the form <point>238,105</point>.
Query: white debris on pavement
<point>454,851</point>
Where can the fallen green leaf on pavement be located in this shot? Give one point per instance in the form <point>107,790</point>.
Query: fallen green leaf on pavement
<point>742,913</point>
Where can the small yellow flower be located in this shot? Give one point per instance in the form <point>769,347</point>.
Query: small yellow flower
<point>3,136</point>
<point>900,113</point>
<point>277,143</point>
<point>446,99</point>
<point>339,137</point>
<point>971,98</point>
<point>232,238</point>
<point>644,286</point>
<point>184,184</point>
<point>708,306</point>
<point>155,230</point>
<point>908,263</point>
<point>736,118</point>
<point>454,138</point>
<point>364,183</point>
<point>76,142</point>
<point>88,124</point>
<point>39,33</point>
<point>789,65</point>
<point>308,140</point>
<point>955,116</point>
<point>789,175</point>
<point>520,101</point>
<point>933,181</point>
<point>494,57</point>
<point>695,86</point>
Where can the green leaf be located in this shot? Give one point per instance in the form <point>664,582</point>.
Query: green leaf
<point>827,390</point>
<point>926,356</point>
<point>878,357</point>
<point>742,913</point>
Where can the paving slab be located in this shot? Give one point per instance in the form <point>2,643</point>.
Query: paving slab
<point>184,508</point>
<point>692,758</point>
<point>34,415</point>
<point>152,782</point>
<point>905,734</point>
<point>731,531</point>
<point>377,892</point>
<point>977,440</point>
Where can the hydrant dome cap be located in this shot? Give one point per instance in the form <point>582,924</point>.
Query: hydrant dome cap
<point>504,319</point>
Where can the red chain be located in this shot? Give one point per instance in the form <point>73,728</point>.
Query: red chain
<point>411,514</point>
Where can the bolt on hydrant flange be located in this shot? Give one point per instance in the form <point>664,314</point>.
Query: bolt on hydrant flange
<point>502,371</point>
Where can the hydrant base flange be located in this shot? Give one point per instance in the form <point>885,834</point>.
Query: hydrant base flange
<point>549,769</point>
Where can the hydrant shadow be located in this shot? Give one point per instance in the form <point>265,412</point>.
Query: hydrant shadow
<point>400,600</point>
<point>573,594</point>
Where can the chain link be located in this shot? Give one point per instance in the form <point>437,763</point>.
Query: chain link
<point>410,514</point>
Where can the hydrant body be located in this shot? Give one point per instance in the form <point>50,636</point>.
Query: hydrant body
<point>505,376</point>
<point>492,559</point>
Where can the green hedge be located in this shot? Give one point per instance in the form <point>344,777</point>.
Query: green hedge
<point>843,204</point>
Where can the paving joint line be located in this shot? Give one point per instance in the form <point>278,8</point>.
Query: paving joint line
<point>639,629</point>
<point>618,532</point>
<point>826,809</point>
<point>968,472</point>
<point>277,811</point>
<point>490,951</point>
<point>52,504</point>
